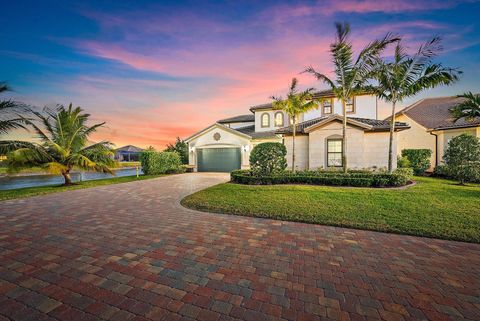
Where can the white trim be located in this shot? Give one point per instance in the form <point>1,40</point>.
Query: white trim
<point>217,125</point>
<point>336,118</point>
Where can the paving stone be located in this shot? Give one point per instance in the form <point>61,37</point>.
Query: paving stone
<point>130,252</point>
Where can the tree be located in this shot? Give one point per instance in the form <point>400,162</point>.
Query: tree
<point>295,104</point>
<point>10,113</point>
<point>406,76</point>
<point>469,108</point>
<point>181,148</point>
<point>63,133</point>
<point>462,158</point>
<point>351,75</point>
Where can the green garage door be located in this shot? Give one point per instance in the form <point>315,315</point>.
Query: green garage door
<point>218,159</point>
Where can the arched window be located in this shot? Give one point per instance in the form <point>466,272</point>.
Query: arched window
<point>279,119</point>
<point>265,120</point>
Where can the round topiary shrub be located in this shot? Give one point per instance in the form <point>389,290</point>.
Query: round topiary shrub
<point>268,158</point>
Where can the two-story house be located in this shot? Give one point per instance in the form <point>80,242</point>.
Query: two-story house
<point>226,145</point>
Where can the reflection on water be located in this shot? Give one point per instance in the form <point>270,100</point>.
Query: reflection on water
<point>11,182</point>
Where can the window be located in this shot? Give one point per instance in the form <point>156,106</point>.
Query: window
<point>350,105</point>
<point>265,120</point>
<point>327,106</point>
<point>334,153</point>
<point>278,119</point>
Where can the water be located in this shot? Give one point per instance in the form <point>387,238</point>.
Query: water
<point>12,182</point>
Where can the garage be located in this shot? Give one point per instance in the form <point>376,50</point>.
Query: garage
<point>218,159</point>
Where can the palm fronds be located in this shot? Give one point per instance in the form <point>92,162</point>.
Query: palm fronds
<point>469,108</point>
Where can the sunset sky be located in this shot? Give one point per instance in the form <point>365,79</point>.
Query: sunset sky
<point>156,70</point>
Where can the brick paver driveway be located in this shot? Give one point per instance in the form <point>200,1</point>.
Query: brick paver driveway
<point>131,252</point>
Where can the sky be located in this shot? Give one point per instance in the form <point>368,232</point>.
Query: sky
<point>154,70</point>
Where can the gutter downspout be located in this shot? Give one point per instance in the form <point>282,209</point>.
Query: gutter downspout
<point>436,148</point>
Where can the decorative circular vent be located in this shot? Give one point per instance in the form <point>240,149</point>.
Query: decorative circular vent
<point>217,136</point>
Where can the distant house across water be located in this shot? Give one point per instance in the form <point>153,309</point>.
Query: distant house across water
<point>128,153</point>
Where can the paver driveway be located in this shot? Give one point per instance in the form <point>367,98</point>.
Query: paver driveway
<point>131,252</point>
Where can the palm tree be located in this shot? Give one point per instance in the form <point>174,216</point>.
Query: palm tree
<point>469,108</point>
<point>10,110</point>
<point>63,145</point>
<point>406,75</point>
<point>351,75</point>
<point>295,104</point>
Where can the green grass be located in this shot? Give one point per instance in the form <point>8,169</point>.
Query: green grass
<point>433,208</point>
<point>41,190</point>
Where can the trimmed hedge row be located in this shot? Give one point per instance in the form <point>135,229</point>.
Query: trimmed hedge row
<point>353,178</point>
<point>155,163</point>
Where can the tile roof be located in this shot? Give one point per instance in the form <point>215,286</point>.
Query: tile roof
<point>250,131</point>
<point>238,119</point>
<point>129,148</point>
<point>434,113</point>
<point>376,125</point>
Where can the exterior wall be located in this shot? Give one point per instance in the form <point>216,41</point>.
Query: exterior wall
<point>444,136</point>
<point>301,151</point>
<point>271,112</point>
<point>227,139</point>
<point>376,149</point>
<point>416,137</point>
<point>239,125</point>
<point>364,149</point>
<point>365,107</point>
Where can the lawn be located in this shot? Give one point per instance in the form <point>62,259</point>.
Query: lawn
<point>433,208</point>
<point>32,191</point>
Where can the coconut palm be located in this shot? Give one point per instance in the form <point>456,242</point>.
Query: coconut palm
<point>10,112</point>
<point>295,104</point>
<point>351,75</point>
<point>406,75</point>
<point>63,133</point>
<point>468,108</point>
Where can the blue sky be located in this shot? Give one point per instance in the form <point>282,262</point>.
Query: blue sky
<point>155,70</point>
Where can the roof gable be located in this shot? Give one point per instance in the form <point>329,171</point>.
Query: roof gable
<point>220,126</point>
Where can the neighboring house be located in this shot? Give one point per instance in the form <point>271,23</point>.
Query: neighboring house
<point>432,126</point>
<point>128,153</point>
<point>226,145</point>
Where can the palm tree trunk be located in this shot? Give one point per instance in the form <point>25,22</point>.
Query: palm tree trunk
<point>293,143</point>
<point>390,142</point>
<point>344,137</point>
<point>67,177</point>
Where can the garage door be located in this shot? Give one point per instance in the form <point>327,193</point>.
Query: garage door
<point>218,159</point>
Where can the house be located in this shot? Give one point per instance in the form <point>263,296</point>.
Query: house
<point>128,153</point>
<point>226,144</point>
<point>432,126</point>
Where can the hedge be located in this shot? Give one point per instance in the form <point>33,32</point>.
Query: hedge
<point>154,163</point>
<point>399,177</point>
<point>419,159</point>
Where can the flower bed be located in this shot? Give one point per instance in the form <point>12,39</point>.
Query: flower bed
<point>356,178</point>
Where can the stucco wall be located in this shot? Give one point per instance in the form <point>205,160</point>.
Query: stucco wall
<point>301,151</point>
<point>416,137</point>
<point>227,139</point>
<point>376,149</point>
<point>240,125</point>
<point>365,107</point>
<point>258,120</point>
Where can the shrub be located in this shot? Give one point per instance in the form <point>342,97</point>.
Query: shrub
<point>154,163</point>
<point>462,158</point>
<point>403,162</point>
<point>268,158</point>
<point>441,171</point>
<point>419,159</point>
<point>325,177</point>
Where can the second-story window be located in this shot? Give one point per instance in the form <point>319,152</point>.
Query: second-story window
<point>327,106</point>
<point>265,120</point>
<point>279,119</point>
<point>350,105</point>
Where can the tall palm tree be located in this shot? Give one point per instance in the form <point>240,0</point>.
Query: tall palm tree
<point>351,75</point>
<point>10,111</point>
<point>469,108</point>
<point>295,104</point>
<point>406,75</point>
<point>63,133</point>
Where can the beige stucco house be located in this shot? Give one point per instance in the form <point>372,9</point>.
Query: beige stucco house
<point>432,126</point>
<point>226,144</point>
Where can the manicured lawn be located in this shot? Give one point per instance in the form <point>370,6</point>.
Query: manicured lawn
<point>32,191</point>
<point>434,207</point>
